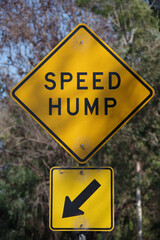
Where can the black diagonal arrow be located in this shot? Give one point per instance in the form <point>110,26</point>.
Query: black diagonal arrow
<point>72,208</point>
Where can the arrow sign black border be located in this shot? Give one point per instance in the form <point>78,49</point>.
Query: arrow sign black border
<point>52,199</point>
<point>43,124</point>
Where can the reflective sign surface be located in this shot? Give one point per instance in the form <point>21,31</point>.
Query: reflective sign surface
<point>81,199</point>
<point>82,93</point>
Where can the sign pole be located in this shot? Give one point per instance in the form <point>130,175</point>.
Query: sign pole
<point>82,235</point>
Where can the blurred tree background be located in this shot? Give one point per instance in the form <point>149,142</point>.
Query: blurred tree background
<point>28,31</point>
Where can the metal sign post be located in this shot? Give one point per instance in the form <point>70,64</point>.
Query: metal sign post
<point>82,236</point>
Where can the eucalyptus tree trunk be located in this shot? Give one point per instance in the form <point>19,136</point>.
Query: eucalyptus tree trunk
<point>138,202</point>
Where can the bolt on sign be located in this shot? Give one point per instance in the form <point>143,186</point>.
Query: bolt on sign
<point>81,199</point>
<point>82,93</point>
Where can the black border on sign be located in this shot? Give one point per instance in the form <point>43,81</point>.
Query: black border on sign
<point>118,126</point>
<point>80,229</point>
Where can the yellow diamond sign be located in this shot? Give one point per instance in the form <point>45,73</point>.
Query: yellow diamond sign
<point>81,199</point>
<point>82,93</point>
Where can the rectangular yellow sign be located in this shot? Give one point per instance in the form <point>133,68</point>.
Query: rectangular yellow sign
<point>81,199</point>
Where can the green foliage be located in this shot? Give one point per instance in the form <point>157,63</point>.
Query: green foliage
<point>128,17</point>
<point>82,3</point>
<point>17,184</point>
